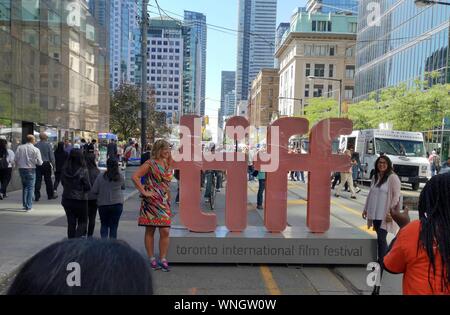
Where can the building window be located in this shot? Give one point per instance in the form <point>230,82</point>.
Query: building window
<point>308,50</point>
<point>307,90</point>
<point>330,91</point>
<point>352,27</point>
<point>350,72</point>
<point>319,70</point>
<point>348,92</point>
<point>332,51</point>
<point>321,26</point>
<point>308,70</point>
<point>331,71</point>
<point>350,52</point>
<point>318,90</point>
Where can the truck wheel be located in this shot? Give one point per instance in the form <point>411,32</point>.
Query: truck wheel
<point>415,186</point>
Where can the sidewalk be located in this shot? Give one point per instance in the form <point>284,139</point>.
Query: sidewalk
<point>23,234</point>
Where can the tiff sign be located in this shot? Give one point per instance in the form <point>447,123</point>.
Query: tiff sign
<point>276,161</point>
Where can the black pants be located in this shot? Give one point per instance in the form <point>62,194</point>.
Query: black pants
<point>5,178</point>
<point>46,171</point>
<point>337,178</point>
<point>92,214</point>
<point>77,216</point>
<point>260,196</point>
<point>57,180</point>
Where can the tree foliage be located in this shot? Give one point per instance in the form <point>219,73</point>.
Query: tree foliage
<point>416,108</point>
<point>125,115</point>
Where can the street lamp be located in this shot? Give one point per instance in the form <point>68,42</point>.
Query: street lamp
<point>425,3</point>
<point>311,78</point>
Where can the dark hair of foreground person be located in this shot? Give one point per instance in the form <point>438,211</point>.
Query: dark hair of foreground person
<point>106,267</point>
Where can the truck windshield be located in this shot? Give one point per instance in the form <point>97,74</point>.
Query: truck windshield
<point>400,147</point>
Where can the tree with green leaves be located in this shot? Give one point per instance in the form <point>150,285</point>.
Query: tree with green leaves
<point>321,108</point>
<point>125,111</point>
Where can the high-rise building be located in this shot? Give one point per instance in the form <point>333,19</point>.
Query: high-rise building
<point>228,84</point>
<point>54,75</point>
<point>408,42</point>
<point>332,6</point>
<point>256,42</point>
<point>321,46</point>
<point>195,62</point>
<point>124,25</point>
<point>282,29</point>
<point>165,66</point>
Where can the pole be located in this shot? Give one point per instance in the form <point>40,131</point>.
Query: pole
<point>340,99</point>
<point>144,113</point>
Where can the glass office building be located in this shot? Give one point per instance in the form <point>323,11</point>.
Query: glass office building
<point>54,70</point>
<point>408,42</point>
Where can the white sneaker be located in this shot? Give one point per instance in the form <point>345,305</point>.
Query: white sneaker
<point>29,210</point>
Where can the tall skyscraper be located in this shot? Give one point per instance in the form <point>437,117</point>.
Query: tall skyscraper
<point>165,61</point>
<point>256,42</point>
<point>282,29</point>
<point>228,86</point>
<point>194,76</point>
<point>124,26</point>
<point>195,61</point>
<point>408,42</point>
<point>332,6</point>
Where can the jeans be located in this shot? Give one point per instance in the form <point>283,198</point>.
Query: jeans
<point>250,170</point>
<point>382,246</point>
<point>5,178</point>
<point>77,216</point>
<point>261,188</point>
<point>92,214</point>
<point>28,176</point>
<point>109,217</point>
<point>209,182</point>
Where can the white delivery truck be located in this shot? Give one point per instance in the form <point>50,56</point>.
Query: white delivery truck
<point>405,149</point>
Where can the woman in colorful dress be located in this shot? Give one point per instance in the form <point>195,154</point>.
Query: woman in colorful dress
<point>155,209</point>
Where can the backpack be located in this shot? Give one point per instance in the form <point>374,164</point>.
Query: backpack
<point>128,153</point>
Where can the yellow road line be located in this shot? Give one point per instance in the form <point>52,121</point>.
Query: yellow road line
<point>297,202</point>
<point>270,283</point>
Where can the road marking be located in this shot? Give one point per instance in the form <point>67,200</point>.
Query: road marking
<point>367,230</point>
<point>270,283</point>
<point>297,202</point>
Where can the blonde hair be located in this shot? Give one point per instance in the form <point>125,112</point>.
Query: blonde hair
<point>158,147</point>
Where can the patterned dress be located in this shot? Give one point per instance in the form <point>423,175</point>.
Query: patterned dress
<point>156,211</point>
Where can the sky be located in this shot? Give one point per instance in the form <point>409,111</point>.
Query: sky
<point>221,46</point>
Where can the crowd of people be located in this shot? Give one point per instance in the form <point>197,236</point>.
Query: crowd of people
<point>421,249</point>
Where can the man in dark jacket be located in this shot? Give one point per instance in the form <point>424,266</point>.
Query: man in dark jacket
<point>112,150</point>
<point>45,170</point>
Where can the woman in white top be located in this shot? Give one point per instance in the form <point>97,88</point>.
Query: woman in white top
<point>384,195</point>
<point>6,166</point>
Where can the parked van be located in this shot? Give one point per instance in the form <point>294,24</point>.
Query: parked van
<point>405,149</point>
